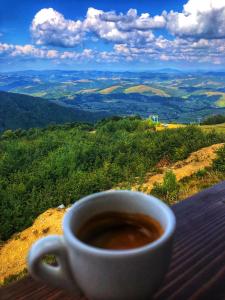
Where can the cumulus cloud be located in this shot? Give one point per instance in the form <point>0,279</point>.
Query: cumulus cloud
<point>30,51</point>
<point>4,48</point>
<point>199,19</point>
<point>103,29</point>
<point>131,20</point>
<point>202,19</point>
<point>27,50</point>
<point>49,27</point>
<point>176,50</point>
<point>199,35</point>
<point>161,49</point>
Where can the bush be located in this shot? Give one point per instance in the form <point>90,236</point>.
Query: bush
<point>12,278</point>
<point>216,119</point>
<point>169,189</point>
<point>219,162</point>
<point>44,168</point>
<point>201,173</point>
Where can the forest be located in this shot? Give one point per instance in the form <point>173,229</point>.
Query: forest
<point>214,119</point>
<point>43,168</point>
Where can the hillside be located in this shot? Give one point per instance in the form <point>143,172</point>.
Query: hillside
<point>43,168</point>
<point>219,128</point>
<point>50,221</point>
<point>195,162</point>
<point>23,111</point>
<point>109,90</point>
<point>145,89</point>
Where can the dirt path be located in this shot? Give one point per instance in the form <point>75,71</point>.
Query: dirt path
<point>196,161</point>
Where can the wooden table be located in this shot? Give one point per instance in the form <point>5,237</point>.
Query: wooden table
<point>197,269</point>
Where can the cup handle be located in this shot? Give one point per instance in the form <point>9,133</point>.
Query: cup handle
<point>57,276</point>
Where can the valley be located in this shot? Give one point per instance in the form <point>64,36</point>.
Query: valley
<point>177,96</point>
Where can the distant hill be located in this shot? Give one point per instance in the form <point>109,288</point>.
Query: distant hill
<point>22,111</point>
<point>175,96</point>
<point>145,89</point>
<point>215,119</point>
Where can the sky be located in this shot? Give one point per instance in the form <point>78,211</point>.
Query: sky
<point>112,35</point>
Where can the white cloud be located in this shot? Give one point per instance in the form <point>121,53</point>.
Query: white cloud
<point>103,29</point>
<point>199,35</point>
<point>175,50</point>
<point>49,27</point>
<point>199,19</point>
<point>131,20</point>
<point>160,49</point>
<point>4,48</point>
<point>52,54</point>
<point>28,50</point>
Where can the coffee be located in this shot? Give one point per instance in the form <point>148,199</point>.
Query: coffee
<point>119,231</point>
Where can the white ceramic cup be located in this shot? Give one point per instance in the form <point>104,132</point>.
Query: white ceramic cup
<point>102,274</point>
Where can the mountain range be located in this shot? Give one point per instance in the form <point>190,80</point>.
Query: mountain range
<point>175,96</point>
<point>23,111</point>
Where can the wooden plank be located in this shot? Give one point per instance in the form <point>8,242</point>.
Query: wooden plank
<point>197,270</point>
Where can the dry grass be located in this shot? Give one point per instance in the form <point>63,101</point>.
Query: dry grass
<point>87,91</point>
<point>145,88</point>
<point>195,183</point>
<point>170,126</point>
<point>221,101</point>
<point>219,128</point>
<point>109,90</point>
<point>198,160</point>
<point>84,80</point>
<point>13,253</point>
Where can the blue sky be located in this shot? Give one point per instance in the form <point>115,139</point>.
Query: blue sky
<point>112,35</point>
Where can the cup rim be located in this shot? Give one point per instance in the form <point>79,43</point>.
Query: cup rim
<point>73,240</point>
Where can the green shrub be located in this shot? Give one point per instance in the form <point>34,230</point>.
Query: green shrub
<point>216,119</point>
<point>169,189</point>
<point>201,173</point>
<point>12,278</point>
<point>44,168</point>
<point>219,162</point>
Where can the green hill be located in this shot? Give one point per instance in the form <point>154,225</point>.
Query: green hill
<point>23,111</point>
<point>145,89</point>
<point>43,168</point>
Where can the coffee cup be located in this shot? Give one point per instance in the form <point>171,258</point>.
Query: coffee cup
<point>103,274</point>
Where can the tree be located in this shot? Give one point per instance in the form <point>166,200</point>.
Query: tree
<point>169,189</point>
<point>8,134</point>
<point>219,162</point>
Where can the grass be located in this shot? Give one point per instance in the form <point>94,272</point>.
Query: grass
<point>221,101</point>
<point>38,94</point>
<point>14,277</point>
<point>87,91</point>
<point>219,128</point>
<point>193,164</point>
<point>109,90</point>
<point>13,263</point>
<point>170,126</point>
<point>144,89</point>
<point>199,181</point>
